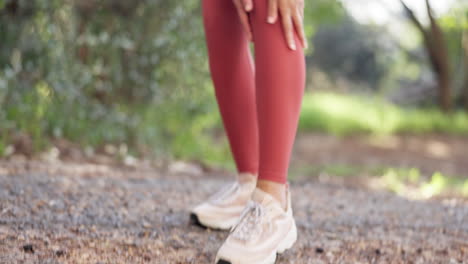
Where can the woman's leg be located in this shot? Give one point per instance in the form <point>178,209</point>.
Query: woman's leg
<point>279,84</point>
<point>280,81</point>
<point>232,72</point>
<point>233,77</point>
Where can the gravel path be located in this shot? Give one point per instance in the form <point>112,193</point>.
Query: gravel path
<point>102,215</point>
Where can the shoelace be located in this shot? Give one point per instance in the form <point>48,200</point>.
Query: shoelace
<point>249,223</point>
<point>222,194</point>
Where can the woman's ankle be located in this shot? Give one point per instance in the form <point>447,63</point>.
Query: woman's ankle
<point>275,189</point>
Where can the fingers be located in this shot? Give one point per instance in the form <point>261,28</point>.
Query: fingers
<point>299,25</point>
<point>244,19</point>
<point>288,29</point>
<point>301,7</point>
<point>245,23</point>
<point>272,11</point>
<point>248,5</point>
<point>292,17</point>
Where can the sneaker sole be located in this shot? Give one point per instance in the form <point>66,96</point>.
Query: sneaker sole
<point>289,241</point>
<point>286,244</point>
<point>194,221</point>
<point>225,225</point>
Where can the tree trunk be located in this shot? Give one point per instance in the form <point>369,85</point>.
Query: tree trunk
<point>436,50</point>
<point>442,61</point>
<point>83,48</point>
<point>465,67</point>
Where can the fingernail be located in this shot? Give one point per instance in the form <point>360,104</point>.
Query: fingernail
<point>248,7</point>
<point>271,20</point>
<point>293,46</point>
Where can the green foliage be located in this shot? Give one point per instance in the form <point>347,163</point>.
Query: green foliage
<point>183,137</point>
<point>408,182</point>
<point>350,50</point>
<point>89,71</point>
<point>319,12</point>
<point>344,115</point>
<point>113,71</point>
<point>456,18</point>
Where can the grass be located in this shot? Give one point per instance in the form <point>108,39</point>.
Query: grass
<point>189,131</point>
<point>347,114</point>
<point>407,182</point>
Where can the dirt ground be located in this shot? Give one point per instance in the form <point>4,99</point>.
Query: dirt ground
<point>430,153</point>
<point>54,211</point>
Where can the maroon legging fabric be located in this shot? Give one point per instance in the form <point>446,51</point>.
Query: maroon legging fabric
<point>259,101</point>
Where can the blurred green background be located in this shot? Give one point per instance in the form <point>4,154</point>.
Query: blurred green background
<point>134,75</point>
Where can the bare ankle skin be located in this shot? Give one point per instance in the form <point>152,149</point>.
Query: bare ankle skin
<point>277,190</point>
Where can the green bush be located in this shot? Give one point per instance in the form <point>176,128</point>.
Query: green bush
<point>93,71</point>
<point>135,72</point>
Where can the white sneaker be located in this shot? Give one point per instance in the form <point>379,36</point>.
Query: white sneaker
<point>263,230</point>
<point>223,209</point>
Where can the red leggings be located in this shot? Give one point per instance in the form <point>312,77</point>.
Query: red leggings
<point>259,103</point>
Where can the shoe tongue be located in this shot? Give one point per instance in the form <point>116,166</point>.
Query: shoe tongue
<point>264,198</point>
<point>246,178</point>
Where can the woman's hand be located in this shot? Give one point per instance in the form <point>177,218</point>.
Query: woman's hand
<point>292,17</point>
<point>244,6</point>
